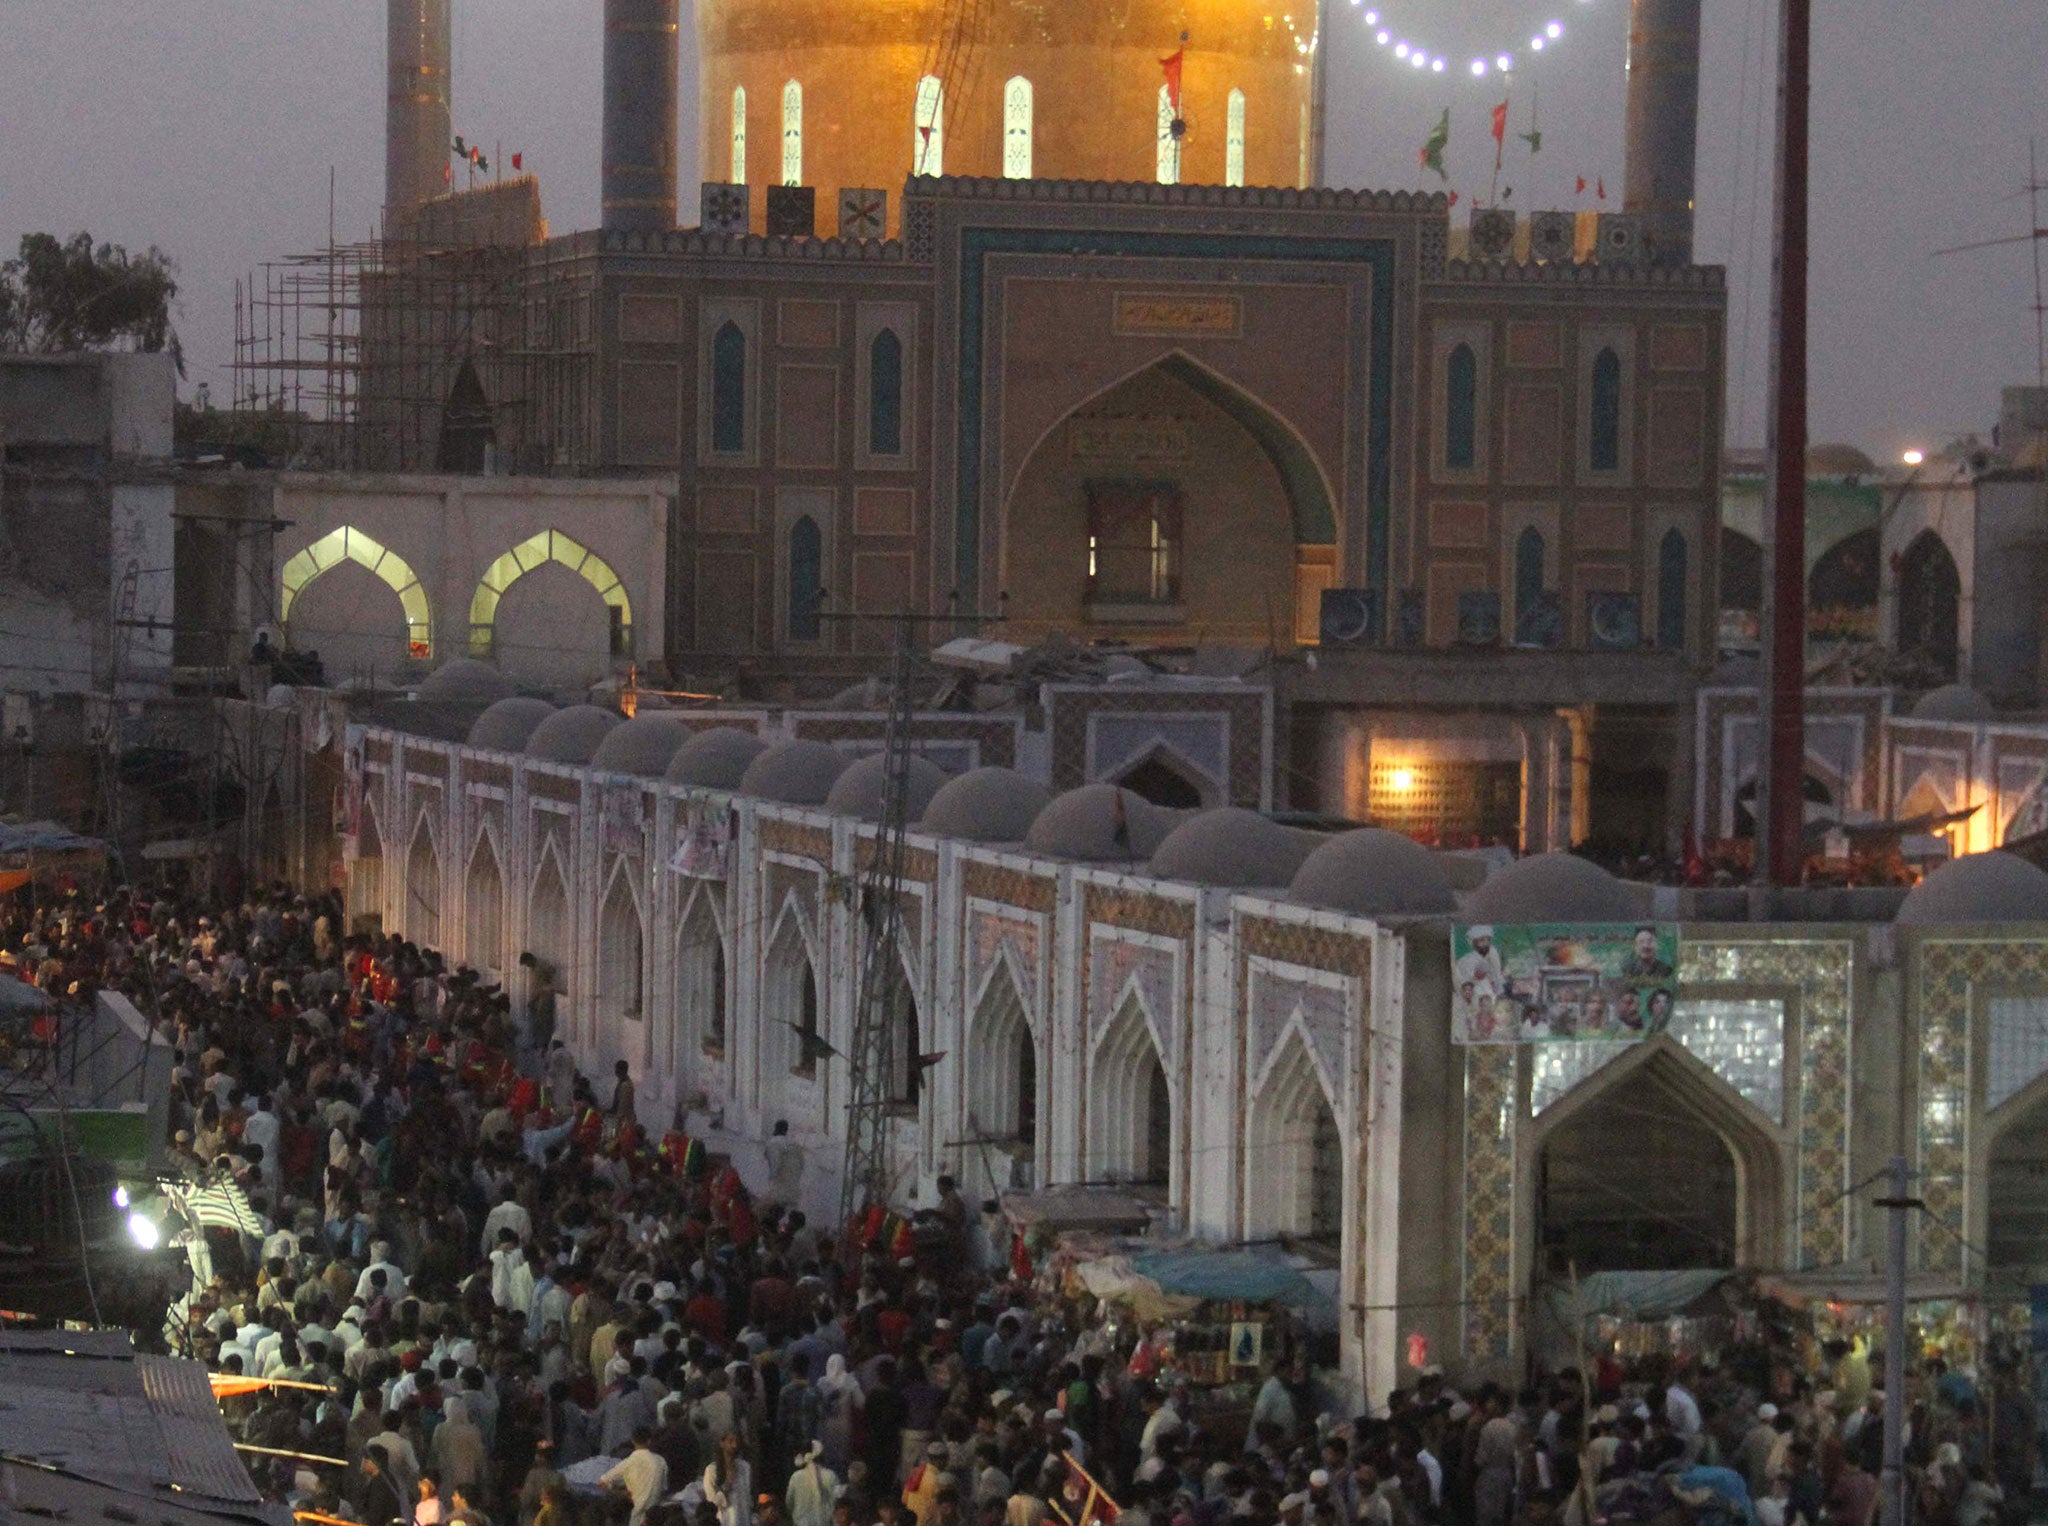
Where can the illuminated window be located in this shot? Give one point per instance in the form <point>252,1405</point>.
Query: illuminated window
<point>1169,141</point>
<point>739,135</point>
<point>1671,590</point>
<point>537,551</point>
<point>928,128</point>
<point>1604,438</point>
<point>1134,533</point>
<point>806,578</point>
<point>885,395</point>
<point>792,134</point>
<point>729,389</point>
<point>1461,408</point>
<point>1233,141</point>
<point>1017,129</point>
<point>348,544</point>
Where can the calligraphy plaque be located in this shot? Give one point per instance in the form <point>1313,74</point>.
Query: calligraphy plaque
<point>1141,312</point>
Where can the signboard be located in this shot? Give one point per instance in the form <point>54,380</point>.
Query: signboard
<point>1176,313</point>
<point>1559,982</point>
<point>704,845</point>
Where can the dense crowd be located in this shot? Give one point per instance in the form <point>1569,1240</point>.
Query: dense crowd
<point>490,1294</point>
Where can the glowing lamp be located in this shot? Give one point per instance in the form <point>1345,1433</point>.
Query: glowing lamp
<point>1914,457</point>
<point>143,1231</point>
<point>1402,779</point>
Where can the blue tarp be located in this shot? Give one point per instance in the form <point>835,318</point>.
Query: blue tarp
<point>1228,1275</point>
<point>43,837</point>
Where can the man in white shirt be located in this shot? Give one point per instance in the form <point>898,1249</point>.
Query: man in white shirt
<point>508,1214</point>
<point>1681,1411</point>
<point>642,1474</point>
<point>380,1260</point>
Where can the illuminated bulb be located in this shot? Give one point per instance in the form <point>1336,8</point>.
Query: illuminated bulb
<point>1400,50</point>
<point>143,1232</point>
<point>1536,44</point>
<point>120,1197</point>
<point>1554,31</point>
<point>1418,60</point>
<point>1914,457</point>
<point>1381,36</point>
<point>1478,67</point>
<point>1372,18</point>
<point>1504,62</point>
<point>1402,779</point>
<point>1436,66</point>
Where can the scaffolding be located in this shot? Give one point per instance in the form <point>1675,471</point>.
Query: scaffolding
<point>465,342</point>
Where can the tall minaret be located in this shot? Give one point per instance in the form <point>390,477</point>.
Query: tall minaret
<point>1663,123</point>
<point>418,125</point>
<point>640,102</point>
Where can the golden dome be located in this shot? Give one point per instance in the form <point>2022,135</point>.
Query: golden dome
<point>1093,69</point>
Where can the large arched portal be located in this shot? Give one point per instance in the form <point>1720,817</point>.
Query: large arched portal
<point>1173,499</point>
<point>1655,1164</point>
<point>483,909</point>
<point>1002,1084</point>
<point>357,603</point>
<point>1295,1167</point>
<point>551,611</point>
<point>1930,603</point>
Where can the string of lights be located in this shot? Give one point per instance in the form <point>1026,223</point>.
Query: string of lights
<point>1388,35</point>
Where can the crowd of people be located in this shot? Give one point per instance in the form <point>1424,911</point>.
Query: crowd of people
<point>486,1292</point>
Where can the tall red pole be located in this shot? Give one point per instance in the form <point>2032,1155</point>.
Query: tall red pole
<point>1781,822</point>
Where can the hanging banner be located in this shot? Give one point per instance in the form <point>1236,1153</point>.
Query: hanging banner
<point>704,845</point>
<point>1556,982</point>
<point>621,818</point>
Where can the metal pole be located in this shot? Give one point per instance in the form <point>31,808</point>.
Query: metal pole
<point>1891,1492</point>
<point>1781,819</point>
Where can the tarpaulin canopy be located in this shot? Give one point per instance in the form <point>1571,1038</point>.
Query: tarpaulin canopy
<point>1636,1295</point>
<point>44,837</point>
<point>1229,1275</point>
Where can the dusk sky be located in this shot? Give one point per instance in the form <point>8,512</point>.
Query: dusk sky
<point>208,127</point>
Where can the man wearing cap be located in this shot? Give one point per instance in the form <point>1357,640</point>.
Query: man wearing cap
<point>812,1488</point>
<point>1481,964</point>
<point>1753,1452</point>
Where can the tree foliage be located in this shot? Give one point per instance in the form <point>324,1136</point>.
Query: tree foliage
<point>58,296</point>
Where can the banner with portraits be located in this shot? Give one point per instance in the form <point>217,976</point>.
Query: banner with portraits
<point>1562,982</point>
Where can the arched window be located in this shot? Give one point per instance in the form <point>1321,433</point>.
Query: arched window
<point>885,394</point>
<point>739,135</point>
<point>1604,439</point>
<point>1017,129</point>
<point>806,578</point>
<point>422,919</point>
<point>1168,156</point>
<point>483,905</point>
<point>906,1075</point>
<point>928,128</point>
<point>698,1025</point>
<point>349,544</point>
<point>1528,571</point>
<point>792,134</point>
<point>807,1034</point>
<point>1671,590</point>
<point>1930,603</point>
<point>538,550</point>
<point>621,939</point>
<point>729,389</point>
<point>1461,408</point>
<point>1233,140</point>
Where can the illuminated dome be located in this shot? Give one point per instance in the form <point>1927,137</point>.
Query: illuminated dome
<point>1066,90</point>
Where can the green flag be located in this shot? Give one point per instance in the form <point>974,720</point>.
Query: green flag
<point>1433,148</point>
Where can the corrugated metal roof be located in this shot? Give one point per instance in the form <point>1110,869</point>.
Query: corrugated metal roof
<point>203,1460</point>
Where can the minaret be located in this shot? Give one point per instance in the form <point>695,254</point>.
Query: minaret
<point>1663,123</point>
<point>640,115</point>
<point>418,126</point>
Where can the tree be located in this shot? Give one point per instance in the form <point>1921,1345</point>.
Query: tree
<point>57,296</point>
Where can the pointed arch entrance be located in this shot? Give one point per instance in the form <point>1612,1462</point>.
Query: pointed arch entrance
<point>1130,1104</point>
<point>1654,1163</point>
<point>468,433</point>
<point>621,966</point>
<point>330,601</point>
<point>533,613</point>
<point>483,909</point>
<point>697,1024</point>
<point>1002,1069</point>
<point>1294,1168</point>
<point>549,930</point>
<point>366,877</point>
<point>1930,603</point>
<point>792,1017</point>
<point>1172,497</point>
<point>423,888</point>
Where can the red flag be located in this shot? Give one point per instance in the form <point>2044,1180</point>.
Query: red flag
<point>518,161</point>
<point>1171,67</point>
<point>1581,190</point>
<point>1454,198</point>
<point>1600,188</point>
<point>1020,1260</point>
<point>1500,133</point>
<point>447,174</point>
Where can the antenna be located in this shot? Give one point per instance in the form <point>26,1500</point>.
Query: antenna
<point>2035,235</point>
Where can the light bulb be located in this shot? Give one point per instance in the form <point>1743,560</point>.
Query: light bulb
<point>1914,457</point>
<point>1372,18</point>
<point>1436,66</point>
<point>1554,31</point>
<point>1504,62</point>
<point>1381,37</point>
<point>1400,50</point>
<point>1535,44</point>
<point>143,1232</point>
<point>1418,59</point>
<point>1478,67</point>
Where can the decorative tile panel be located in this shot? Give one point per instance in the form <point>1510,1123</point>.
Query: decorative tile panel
<point>1489,1237</point>
<point>991,934</point>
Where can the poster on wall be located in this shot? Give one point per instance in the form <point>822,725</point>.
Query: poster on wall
<point>620,810</point>
<point>704,845</point>
<point>1558,982</point>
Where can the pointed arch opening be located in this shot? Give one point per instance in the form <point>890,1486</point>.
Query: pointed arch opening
<point>792,133</point>
<point>1294,1166</point>
<point>348,544</point>
<point>548,927</point>
<point>366,876</point>
<point>698,1024</point>
<point>739,135</point>
<point>469,435</point>
<point>1672,578</point>
<point>1461,408</point>
<point>1130,1104</point>
<point>1528,584</point>
<point>423,888</point>
<point>483,910</point>
<point>1604,436</point>
<point>885,394</point>
<point>1164,777</point>
<point>806,579</point>
<point>1233,139</point>
<point>729,390</point>
<point>903,1065</point>
<point>621,954</point>
<point>792,1016</point>
<point>1656,1164</point>
<point>1002,1101</point>
<point>1930,604</point>
<point>1017,128</point>
<point>542,549</point>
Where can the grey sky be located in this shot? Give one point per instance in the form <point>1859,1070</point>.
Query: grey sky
<point>207,126</point>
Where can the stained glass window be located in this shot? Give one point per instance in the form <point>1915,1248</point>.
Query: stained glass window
<point>792,134</point>
<point>928,128</point>
<point>739,135</point>
<point>1017,129</point>
<point>1233,140</point>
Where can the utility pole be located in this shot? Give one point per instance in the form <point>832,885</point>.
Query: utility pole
<point>1891,1491</point>
<point>1781,817</point>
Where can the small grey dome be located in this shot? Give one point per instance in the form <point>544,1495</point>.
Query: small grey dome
<point>279,696</point>
<point>641,746</point>
<point>859,791</point>
<point>715,758</point>
<point>1953,702</point>
<point>986,805</point>
<point>868,694</point>
<point>1229,846</point>
<point>466,678</point>
<point>507,724</point>
<point>1979,887</point>
<point>1374,873</point>
<point>795,773</point>
<point>1553,887</point>
<point>572,735</point>
<point>1083,824</point>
